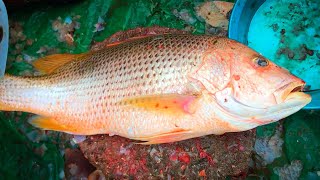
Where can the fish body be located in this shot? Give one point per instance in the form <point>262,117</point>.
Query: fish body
<point>158,89</point>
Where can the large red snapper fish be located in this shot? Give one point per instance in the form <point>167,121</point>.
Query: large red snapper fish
<point>157,89</point>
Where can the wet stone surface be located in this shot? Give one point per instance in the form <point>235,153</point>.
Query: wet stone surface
<point>214,157</point>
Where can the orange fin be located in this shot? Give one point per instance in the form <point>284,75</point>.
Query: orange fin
<point>51,63</point>
<point>177,135</point>
<point>169,103</point>
<point>47,123</point>
<point>128,40</point>
<point>140,32</point>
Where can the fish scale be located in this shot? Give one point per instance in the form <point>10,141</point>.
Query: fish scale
<point>89,90</point>
<point>158,89</point>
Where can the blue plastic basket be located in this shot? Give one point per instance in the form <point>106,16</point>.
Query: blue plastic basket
<point>4,37</point>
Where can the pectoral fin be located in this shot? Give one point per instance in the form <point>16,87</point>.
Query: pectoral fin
<point>169,103</point>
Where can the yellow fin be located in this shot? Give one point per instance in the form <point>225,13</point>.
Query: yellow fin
<point>49,64</point>
<point>47,123</point>
<point>169,103</point>
<point>177,135</point>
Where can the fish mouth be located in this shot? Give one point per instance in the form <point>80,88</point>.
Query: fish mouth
<point>292,91</point>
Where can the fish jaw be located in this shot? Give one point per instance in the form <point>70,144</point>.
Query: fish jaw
<point>290,99</point>
<point>245,117</point>
<point>284,91</point>
<point>293,103</point>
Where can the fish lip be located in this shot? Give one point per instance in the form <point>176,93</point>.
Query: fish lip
<point>298,96</point>
<point>282,93</point>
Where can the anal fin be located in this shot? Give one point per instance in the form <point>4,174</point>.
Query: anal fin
<point>47,123</point>
<point>177,135</point>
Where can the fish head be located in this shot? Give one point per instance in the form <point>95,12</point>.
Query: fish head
<point>249,87</point>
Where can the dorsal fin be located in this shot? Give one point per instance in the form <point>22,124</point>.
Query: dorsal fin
<point>136,33</point>
<point>128,40</point>
<point>51,63</point>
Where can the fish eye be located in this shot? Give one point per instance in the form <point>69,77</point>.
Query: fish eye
<point>262,62</point>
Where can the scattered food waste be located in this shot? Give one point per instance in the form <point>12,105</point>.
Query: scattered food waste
<point>289,171</point>
<point>215,13</point>
<point>100,25</point>
<point>65,28</point>
<point>270,148</point>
